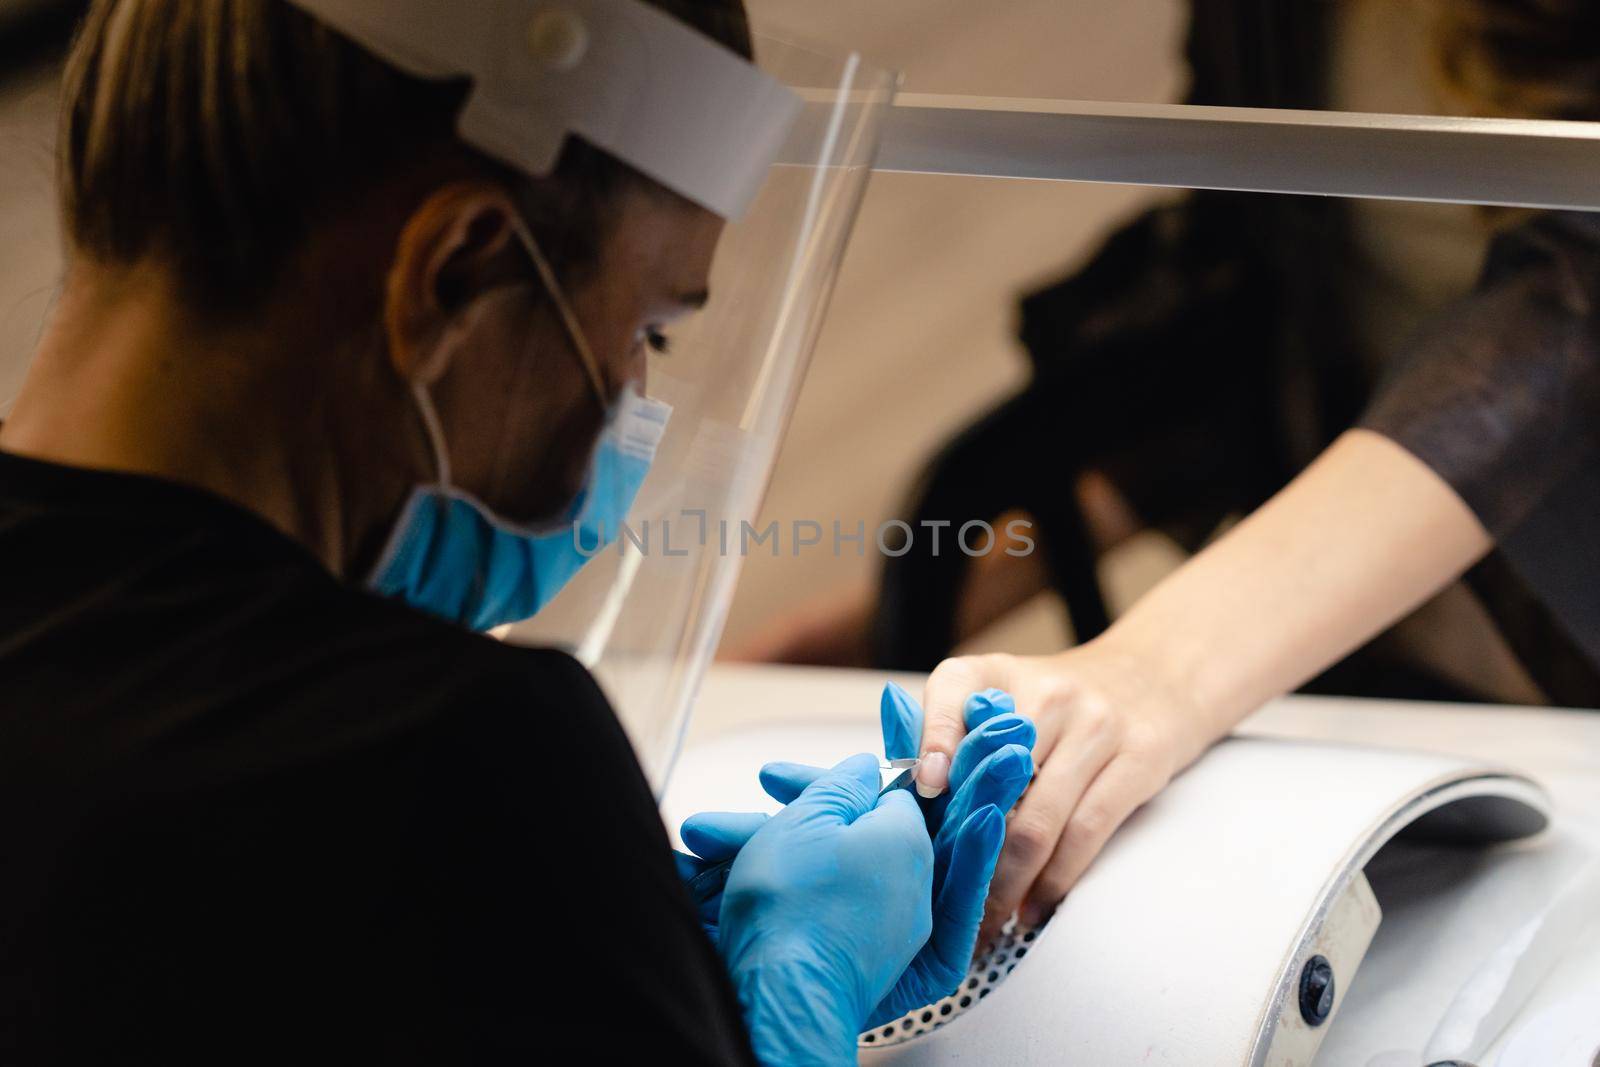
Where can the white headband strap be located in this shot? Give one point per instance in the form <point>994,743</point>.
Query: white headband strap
<point>625,76</point>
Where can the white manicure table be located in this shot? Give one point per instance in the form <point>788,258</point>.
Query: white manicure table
<point>1435,864</point>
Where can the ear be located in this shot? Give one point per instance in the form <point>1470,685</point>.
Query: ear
<point>456,246</point>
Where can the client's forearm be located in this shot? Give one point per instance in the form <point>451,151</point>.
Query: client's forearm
<point>1365,535</point>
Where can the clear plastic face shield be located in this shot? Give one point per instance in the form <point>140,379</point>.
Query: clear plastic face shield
<point>783,152</point>
<point>647,612</point>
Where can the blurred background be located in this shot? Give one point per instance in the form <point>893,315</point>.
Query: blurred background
<point>922,335</point>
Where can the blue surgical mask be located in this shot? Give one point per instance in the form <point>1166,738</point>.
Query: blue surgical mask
<point>453,557</point>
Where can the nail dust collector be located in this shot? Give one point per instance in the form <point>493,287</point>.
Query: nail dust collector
<point>1223,925</point>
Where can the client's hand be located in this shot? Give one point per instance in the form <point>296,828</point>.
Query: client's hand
<point>1112,733</point>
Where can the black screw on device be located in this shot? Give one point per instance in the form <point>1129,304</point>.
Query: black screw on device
<point>1316,991</point>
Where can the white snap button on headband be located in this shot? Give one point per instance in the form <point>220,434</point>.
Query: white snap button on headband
<point>558,39</point>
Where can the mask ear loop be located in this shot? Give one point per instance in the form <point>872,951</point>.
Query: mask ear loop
<point>568,319</point>
<point>435,431</point>
<point>430,415</point>
<point>599,634</point>
<point>441,460</point>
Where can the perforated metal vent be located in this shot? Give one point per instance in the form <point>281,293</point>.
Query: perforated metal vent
<point>986,972</point>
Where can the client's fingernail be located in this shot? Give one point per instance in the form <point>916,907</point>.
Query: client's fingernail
<point>933,775</point>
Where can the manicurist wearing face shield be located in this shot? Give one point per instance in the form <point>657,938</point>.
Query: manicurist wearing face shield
<point>349,366</point>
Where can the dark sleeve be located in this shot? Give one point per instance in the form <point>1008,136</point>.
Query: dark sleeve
<point>575,931</point>
<point>1501,398</point>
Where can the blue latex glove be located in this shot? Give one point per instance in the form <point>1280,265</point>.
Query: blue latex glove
<point>713,837</point>
<point>826,907</point>
<point>992,767</point>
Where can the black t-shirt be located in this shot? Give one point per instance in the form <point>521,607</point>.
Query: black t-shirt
<point>249,814</point>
